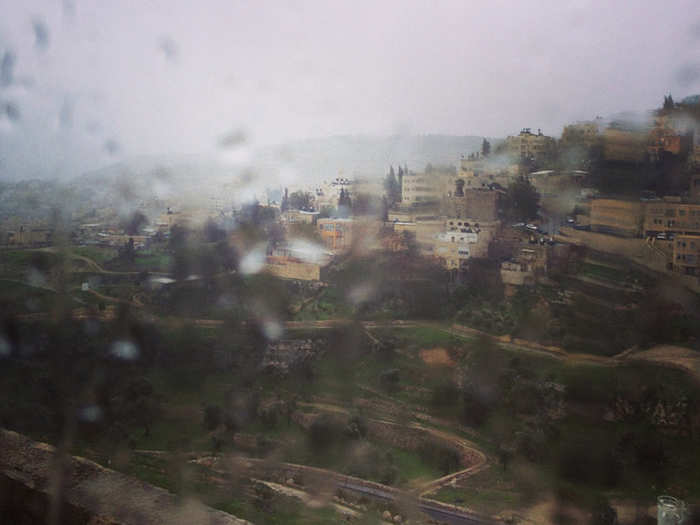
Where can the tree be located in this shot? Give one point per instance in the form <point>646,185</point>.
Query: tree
<point>344,202</point>
<point>392,188</point>
<point>128,251</point>
<point>362,205</point>
<point>133,224</point>
<point>213,417</point>
<point>602,513</point>
<point>521,200</point>
<point>213,232</point>
<point>139,404</point>
<point>284,206</point>
<point>301,200</point>
<point>485,148</point>
<point>668,102</point>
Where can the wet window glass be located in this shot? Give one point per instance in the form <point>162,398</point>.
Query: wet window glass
<point>313,262</point>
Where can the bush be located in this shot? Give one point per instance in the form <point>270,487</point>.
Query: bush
<point>444,458</point>
<point>356,428</point>
<point>323,432</point>
<point>389,379</point>
<point>445,395</point>
<point>212,417</point>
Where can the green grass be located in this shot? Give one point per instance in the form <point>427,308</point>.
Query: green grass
<point>99,254</point>
<point>489,491</point>
<point>16,263</point>
<point>151,469</point>
<point>605,273</point>
<point>152,261</point>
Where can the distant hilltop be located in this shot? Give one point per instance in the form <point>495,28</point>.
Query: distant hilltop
<point>365,155</point>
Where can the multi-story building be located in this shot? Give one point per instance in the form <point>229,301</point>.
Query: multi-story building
<point>686,254</point>
<point>453,249</point>
<point>624,144</point>
<point>530,146</point>
<point>340,235</point>
<point>328,192</point>
<point>694,192</point>
<point>336,233</point>
<point>672,215</point>
<point>476,204</point>
<point>480,173</point>
<point>426,188</point>
<point>616,216</point>
<point>585,133</point>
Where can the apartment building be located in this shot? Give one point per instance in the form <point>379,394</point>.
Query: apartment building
<point>427,187</point>
<point>686,254</point>
<point>530,146</point>
<point>672,215</point>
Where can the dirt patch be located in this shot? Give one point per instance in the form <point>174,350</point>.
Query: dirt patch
<point>436,357</point>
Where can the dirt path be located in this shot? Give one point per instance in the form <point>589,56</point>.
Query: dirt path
<point>678,357</point>
<point>467,449</point>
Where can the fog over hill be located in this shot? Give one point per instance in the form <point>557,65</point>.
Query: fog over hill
<point>233,176</point>
<point>295,164</point>
<point>366,156</point>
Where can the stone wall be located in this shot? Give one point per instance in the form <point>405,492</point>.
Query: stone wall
<point>291,269</point>
<point>91,494</point>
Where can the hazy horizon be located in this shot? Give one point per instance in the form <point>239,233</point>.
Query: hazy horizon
<point>83,86</point>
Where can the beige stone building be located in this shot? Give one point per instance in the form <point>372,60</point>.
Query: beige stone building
<point>686,254</point>
<point>453,249</point>
<point>480,173</point>
<point>476,204</point>
<point>528,145</point>
<point>361,235</point>
<point>624,145</point>
<point>25,236</point>
<point>672,215</point>
<point>298,217</point>
<point>585,133</point>
<point>426,188</point>
<point>616,216</point>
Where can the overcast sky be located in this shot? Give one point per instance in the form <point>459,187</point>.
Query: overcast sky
<point>83,82</point>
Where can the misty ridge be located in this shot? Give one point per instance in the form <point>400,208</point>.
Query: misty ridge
<point>196,178</point>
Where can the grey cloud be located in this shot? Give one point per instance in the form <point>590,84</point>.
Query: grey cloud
<point>7,67</point>
<point>315,69</point>
<point>41,34</point>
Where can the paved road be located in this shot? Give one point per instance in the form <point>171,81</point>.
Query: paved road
<point>435,509</point>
